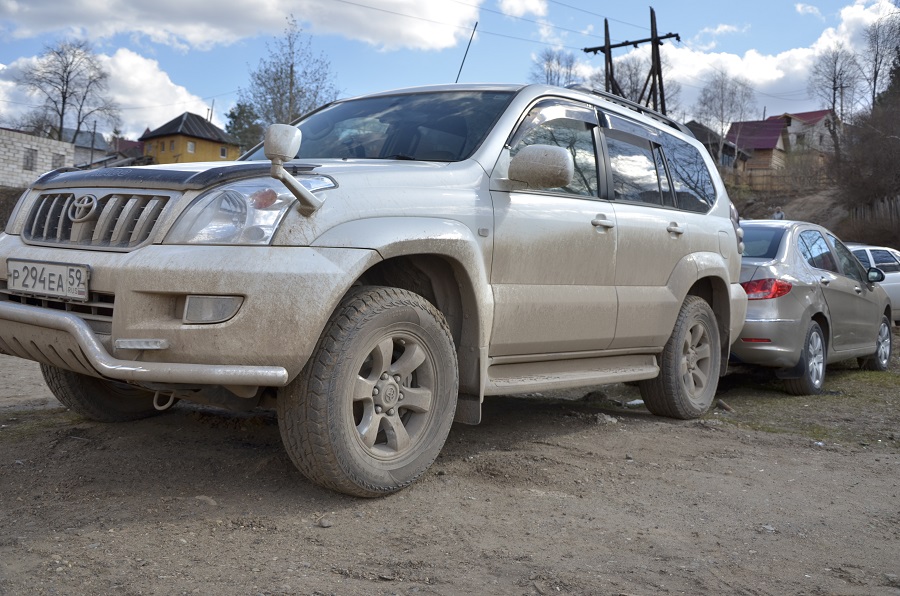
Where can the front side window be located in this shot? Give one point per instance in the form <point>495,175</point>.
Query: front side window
<point>849,264</point>
<point>815,251</point>
<point>561,124</point>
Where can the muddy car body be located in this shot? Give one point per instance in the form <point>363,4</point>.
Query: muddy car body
<point>379,273</point>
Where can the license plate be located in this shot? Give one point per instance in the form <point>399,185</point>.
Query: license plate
<point>37,278</point>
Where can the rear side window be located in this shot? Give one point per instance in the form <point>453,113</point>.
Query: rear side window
<point>885,261</point>
<point>863,257</point>
<point>633,165</point>
<point>815,250</point>
<point>691,180</point>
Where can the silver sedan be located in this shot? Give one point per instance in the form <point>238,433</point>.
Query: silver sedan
<point>811,303</point>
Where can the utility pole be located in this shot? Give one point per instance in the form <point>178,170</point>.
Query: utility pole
<point>655,95</point>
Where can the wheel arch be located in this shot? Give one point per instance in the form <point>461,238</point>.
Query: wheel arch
<point>716,292</point>
<point>439,259</point>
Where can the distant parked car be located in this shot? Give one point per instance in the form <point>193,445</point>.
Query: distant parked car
<point>810,303</point>
<point>888,260</point>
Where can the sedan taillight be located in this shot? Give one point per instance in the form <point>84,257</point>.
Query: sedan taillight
<point>765,289</point>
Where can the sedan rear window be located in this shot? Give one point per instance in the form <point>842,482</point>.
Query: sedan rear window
<point>762,243</point>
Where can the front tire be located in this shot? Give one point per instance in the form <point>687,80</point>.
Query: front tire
<point>98,399</point>
<point>373,407</point>
<point>881,359</point>
<point>813,359</point>
<point>688,366</point>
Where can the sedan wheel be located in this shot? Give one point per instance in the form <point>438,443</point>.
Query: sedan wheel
<point>881,359</point>
<point>813,359</point>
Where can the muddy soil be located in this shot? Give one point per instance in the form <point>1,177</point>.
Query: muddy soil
<point>767,494</point>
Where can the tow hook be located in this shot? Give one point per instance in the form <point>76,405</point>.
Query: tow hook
<point>159,405</point>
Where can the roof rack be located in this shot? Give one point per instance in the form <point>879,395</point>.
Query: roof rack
<point>633,105</point>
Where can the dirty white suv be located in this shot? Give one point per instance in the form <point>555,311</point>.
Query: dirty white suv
<point>374,272</point>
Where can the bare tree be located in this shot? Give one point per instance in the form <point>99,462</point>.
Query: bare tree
<point>723,100</point>
<point>554,67</point>
<point>73,85</point>
<point>291,81</point>
<point>836,80</point>
<point>882,38</point>
<point>632,73</point>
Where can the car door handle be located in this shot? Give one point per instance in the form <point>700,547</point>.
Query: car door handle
<point>857,289</point>
<point>824,281</point>
<point>601,221</point>
<point>674,228</point>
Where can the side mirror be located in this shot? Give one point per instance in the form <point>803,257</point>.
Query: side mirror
<point>542,166</point>
<point>281,144</point>
<point>874,275</point>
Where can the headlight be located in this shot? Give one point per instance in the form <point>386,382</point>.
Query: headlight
<point>245,212</point>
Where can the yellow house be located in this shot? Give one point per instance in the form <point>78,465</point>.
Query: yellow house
<point>187,138</point>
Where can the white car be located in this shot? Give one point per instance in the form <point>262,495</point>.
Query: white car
<point>888,260</point>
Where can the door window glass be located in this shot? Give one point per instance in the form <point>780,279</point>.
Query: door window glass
<point>568,126</point>
<point>885,261</point>
<point>815,250</point>
<point>633,165</point>
<point>693,184</point>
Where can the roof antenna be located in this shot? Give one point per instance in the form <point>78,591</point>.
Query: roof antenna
<point>467,52</point>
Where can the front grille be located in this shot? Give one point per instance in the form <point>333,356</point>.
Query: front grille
<point>97,311</point>
<point>118,221</point>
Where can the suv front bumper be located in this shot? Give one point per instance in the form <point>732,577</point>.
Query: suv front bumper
<point>288,294</point>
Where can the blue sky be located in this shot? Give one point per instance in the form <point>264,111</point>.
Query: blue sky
<point>170,56</point>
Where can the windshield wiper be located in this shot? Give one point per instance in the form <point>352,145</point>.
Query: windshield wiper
<point>402,156</point>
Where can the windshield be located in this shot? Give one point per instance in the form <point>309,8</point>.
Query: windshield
<point>431,126</point>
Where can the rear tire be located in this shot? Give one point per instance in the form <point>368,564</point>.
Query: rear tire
<point>373,406</point>
<point>688,366</point>
<point>98,399</point>
<point>881,359</point>
<point>813,358</point>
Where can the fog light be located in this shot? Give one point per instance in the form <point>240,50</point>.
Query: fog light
<point>210,309</point>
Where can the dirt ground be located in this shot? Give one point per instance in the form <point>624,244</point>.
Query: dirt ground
<point>767,494</point>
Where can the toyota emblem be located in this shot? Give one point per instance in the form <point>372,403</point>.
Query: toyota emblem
<point>82,209</point>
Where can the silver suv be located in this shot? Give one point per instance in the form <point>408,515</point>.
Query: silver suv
<point>378,269</point>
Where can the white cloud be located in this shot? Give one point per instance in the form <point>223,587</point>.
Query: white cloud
<point>521,8</point>
<point>203,24</point>
<point>809,9</point>
<point>706,38</point>
<point>146,95</point>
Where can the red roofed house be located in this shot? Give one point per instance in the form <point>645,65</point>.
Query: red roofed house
<point>809,130</point>
<point>765,140</point>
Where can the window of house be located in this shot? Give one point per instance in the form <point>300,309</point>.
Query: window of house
<point>171,145</point>
<point>30,159</point>
<point>59,160</point>
<point>162,146</point>
<point>191,146</point>
<point>223,152</point>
